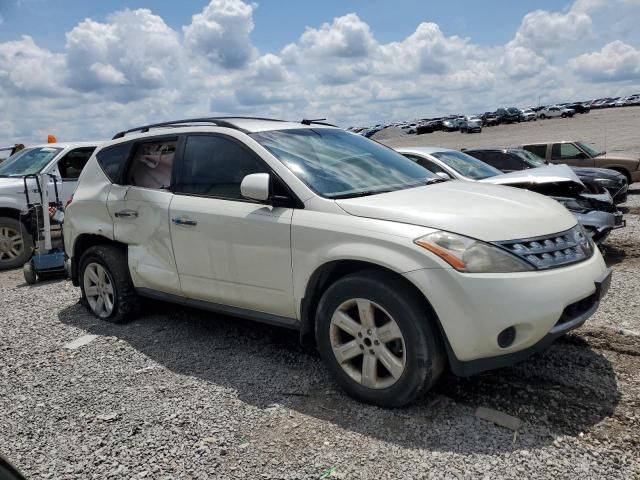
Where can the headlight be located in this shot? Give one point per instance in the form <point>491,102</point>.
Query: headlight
<point>606,182</point>
<point>573,206</point>
<point>471,256</point>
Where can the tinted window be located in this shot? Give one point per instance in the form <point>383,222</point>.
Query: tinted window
<point>466,165</point>
<point>564,150</point>
<point>337,164</point>
<point>428,164</point>
<point>504,161</point>
<point>152,164</point>
<point>539,150</point>
<point>71,165</point>
<point>112,160</point>
<point>215,166</point>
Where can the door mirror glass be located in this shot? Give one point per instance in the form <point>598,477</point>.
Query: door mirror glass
<point>255,186</point>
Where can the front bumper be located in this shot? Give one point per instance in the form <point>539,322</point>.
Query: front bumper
<point>474,308</point>
<point>599,224</point>
<point>573,316</point>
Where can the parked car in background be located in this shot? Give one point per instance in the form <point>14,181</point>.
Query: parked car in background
<point>451,124</point>
<point>554,111</point>
<point>508,115</point>
<point>580,154</point>
<point>514,159</point>
<point>470,124</point>
<point>490,119</point>
<point>578,107</point>
<point>558,182</point>
<point>395,273</point>
<point>64,161</point>
<point>527,115</point>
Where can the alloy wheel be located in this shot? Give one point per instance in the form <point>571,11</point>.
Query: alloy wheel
<point>11,244</point>
<point>368,343</point>
<point>99,290</point>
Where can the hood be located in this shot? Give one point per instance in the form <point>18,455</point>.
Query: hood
<point>598,173</point>
<point>537,176</point>
<point>477,210</point>
<point>11,185</point>
<point>619,156</point>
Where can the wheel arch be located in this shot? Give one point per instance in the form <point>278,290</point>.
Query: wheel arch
<point>81,244</point>
<point>327,274</point>
<point>11,213</point>
<point>622,170</point>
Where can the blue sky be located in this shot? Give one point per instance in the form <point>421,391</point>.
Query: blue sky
<point>278,22</point>
<point>86,69</point>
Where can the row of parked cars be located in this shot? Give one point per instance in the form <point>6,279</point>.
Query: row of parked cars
<point>475,122</point>
<point>396,265</point>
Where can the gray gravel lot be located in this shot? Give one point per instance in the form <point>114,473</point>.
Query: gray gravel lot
<point>185,394</point>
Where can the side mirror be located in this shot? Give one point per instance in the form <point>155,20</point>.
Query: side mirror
<point>444,175</point>
<point>256,186</point>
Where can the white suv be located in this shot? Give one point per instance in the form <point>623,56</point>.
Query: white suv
<point>393,272</point>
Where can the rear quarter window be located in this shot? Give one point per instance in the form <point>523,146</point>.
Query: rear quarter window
<point>113,159</point>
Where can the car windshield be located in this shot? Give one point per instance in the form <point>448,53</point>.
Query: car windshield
<point>338,164</point>
<point>28,161</point>
<point>590,151</point>
<point>467,165</point>
<point>531,159</point>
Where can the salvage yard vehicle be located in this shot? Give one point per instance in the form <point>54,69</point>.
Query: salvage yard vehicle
<point>509,115</point>
<point>62,160</point>
<point>394,272</point>
<point>555,111</point>
<point>528,115</point>
<point>596,212</point>
<point>579,154</point>
<point>470,124</point>
<point>515,159</point>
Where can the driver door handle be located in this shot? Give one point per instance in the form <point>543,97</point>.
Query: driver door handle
<point>185,222</point>
<point>126,214</point>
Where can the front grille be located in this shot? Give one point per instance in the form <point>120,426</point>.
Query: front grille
<point>551,251</point>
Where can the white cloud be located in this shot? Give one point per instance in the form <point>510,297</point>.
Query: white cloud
<point>133,68</point>
<point>543,31</point>
<point>347,36</point>
<point>616,61</point>
<point>221,33</point>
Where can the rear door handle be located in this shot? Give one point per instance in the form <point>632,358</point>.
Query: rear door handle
<point>126,214</point>
<point>185,222</point>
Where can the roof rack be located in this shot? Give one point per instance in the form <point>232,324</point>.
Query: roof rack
<point>217,121</point>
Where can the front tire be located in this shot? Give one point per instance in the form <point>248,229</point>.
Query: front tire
<point>378,339</point>
<point>105,281</point>
<point>16,244</point>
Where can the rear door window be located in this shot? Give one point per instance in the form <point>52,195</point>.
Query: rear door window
<point>152,164</point>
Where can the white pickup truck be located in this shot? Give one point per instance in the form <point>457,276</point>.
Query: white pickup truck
<point>63,160</point>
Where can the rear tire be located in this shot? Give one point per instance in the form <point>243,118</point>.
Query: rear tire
<point>106,285</point>
<point>16,244</point>
<point>543,116</point>
<point>365,343</point>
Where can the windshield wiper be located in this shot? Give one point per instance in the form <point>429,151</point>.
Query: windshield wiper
<point>430,181</point>
<point>364,193</point>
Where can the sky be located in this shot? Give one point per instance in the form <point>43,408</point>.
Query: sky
<point>85,70</point>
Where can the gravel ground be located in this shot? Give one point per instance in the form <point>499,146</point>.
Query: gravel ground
<point>185,394</point>
<point>612,129</point>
